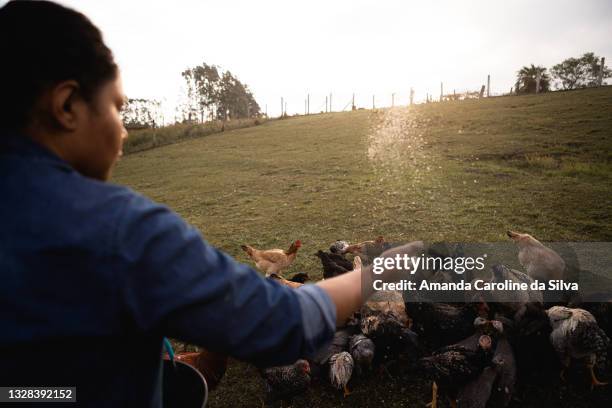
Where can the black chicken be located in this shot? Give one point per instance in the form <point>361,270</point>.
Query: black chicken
<point>453,366</point>
<point>285,382</point>
<point>363,350</point>
<point>535,356</point>
<point>333,264</point>
<point>444,323</point>
<point>477,393</point>
<point>300,277</point>
<point>504,360</point>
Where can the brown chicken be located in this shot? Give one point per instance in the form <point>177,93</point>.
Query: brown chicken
<point>273,261</point>
<point>539,261</point>
<point>211,365</point>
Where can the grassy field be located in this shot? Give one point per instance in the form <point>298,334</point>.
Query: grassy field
<point>456,171</point>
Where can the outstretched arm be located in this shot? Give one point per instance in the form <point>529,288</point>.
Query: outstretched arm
<point>172,283</point>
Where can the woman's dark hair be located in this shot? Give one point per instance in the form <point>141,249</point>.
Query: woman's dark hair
<point>42,44</point>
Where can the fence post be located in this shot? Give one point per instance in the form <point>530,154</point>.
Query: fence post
<point>601,70</point>
<point>441,91</point>
<point>538,79</point>
<point>326,103</point>
<point>411,95</point>
<point>393,99</point>
<point>488,85</point>
<point>373,102</point>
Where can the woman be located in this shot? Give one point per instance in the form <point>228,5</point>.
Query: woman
<point>94,275</point>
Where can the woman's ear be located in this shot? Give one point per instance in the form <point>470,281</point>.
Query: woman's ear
<point>66,105</point>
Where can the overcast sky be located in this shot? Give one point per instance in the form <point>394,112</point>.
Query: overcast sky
<point>290,48</point>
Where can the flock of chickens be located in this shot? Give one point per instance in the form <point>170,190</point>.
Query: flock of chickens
<point>472,351</point>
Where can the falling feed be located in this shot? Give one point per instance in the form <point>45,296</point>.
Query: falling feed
<point>396,145</point>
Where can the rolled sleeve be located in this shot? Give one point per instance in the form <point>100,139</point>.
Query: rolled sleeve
<point>318,316</point>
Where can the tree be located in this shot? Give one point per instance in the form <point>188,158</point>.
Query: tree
<point>580,72</point>
<point>592,64</point>
<point>220,94</point>
<point>188,106</point>
<point>570,73</point>
<point>141,113</point>
<point>206,79</point>
<point>527,76</point>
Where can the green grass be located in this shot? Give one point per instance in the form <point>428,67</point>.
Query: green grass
<point>456,171</point>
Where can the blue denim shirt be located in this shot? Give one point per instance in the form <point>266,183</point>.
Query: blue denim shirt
<point>93,275</point>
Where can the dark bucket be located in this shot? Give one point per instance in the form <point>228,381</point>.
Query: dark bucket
<point>184,386</point>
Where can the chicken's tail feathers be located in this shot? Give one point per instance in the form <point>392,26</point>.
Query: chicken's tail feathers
<point>248,249</point>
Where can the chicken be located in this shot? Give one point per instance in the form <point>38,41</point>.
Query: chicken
<point>333,264</point>
<point>362,350</point>
<point>513,304</point>
<point>341,370</point>
<point>300,277</point>
<point>476,393</point>
<point>599,305</point>
<point>338,247</point>
<point>443,323</point>
<point>284,281</point>
<point>390,335</point>
<point>211,365</point>
<point>530,338</point>
<point>576,335</point>
<point>387,300</point>
<point>273,260</point>
<point>285,382</point>
<point>343,247</point>
<point>540,262</point>
<point>456,365</point>
<point>504,360</point>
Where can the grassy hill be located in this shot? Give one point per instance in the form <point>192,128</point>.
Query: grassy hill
<point>466,170</point>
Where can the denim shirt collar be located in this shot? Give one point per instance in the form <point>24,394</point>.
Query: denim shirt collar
<point>22,145</point>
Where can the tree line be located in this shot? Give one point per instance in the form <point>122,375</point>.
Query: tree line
<point>208,93</point>
<point>572,73</point>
